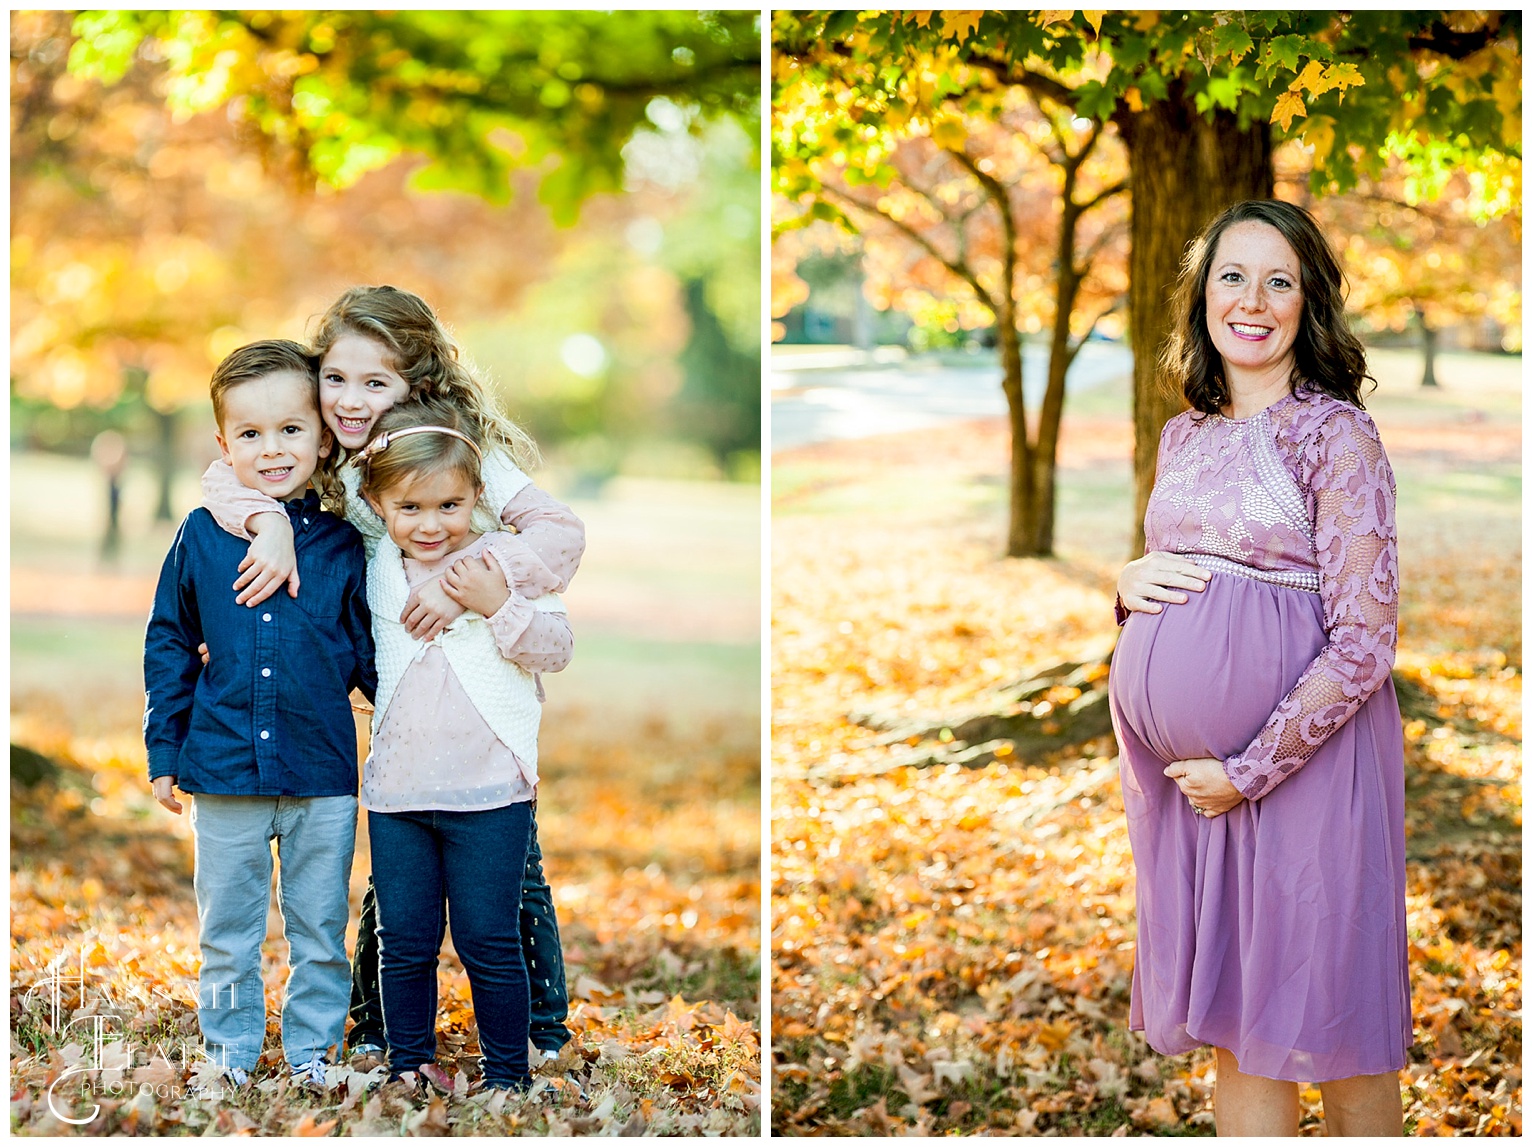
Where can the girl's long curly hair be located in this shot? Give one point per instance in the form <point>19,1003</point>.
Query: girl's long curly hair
<point>1328,357</point>
<point>424,355</point>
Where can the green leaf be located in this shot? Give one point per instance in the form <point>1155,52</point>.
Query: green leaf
<point>1233,41</point>
<point>1282,54</point>
<point>1221,92</point>
<point>1094,101</point>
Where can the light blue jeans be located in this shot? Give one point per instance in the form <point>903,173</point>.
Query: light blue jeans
<point>315,839</point>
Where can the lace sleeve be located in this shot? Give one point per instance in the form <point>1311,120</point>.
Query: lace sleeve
<point>1353,499</point>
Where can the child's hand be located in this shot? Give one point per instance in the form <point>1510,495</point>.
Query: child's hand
<point>203,653</point>
<point>429,611</point>
<point>269,562</point>
<point>162,793</point>
<point>477,584</point>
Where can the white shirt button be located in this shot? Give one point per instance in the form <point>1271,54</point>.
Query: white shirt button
<point>265,617</point>
<point>265,672</point>
<point>265,736</point>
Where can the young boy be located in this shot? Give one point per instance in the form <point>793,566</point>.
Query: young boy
<point>262,736</point>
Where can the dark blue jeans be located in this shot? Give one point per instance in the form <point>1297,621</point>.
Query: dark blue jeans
<point>472,863</point>
<point>540,949</point>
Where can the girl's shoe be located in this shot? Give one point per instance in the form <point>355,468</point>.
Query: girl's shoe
<point>517,1089</point>
<point>364,1057</point>
<point>436,1077</point>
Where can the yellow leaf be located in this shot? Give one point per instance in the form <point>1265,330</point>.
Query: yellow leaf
<point>1093,17</point>
<point>1158,1112</point>
<point>949,134</point>
<point>1344,76</point>
<point>1311,77</point>
<point>1052,1036</point>
<point>1146,19</point>
<point>1053,16</point>
<point>1319,133</point>
<point>1289,107</point>
<point>1135,99</point>
<point>1507,92</point>
<point>920,18</point>
<point>960,25</point>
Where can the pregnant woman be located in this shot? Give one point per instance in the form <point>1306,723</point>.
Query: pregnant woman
<point>1262,755</point>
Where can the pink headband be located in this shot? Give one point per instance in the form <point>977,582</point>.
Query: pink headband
<point>382,441</point>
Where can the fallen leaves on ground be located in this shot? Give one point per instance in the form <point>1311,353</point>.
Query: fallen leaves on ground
<point>651,842</point>
<point>952,947</point>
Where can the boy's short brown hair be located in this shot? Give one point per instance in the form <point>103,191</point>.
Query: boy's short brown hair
<point>258,360</point>
<point>279,356</point>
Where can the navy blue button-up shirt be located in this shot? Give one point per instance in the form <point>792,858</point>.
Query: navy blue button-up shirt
<point>270,714</point>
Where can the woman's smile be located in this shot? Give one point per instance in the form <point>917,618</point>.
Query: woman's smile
<point>1254,304</point>
<point>1247,331</point>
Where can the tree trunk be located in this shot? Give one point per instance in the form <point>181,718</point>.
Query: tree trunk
<point>1428,346</point>
<point>165,461</point>
<point>1184,171</point>
<point>1021,535</point>
<point>1045,458</point>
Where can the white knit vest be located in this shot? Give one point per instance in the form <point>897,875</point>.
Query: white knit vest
<point>503,692</point>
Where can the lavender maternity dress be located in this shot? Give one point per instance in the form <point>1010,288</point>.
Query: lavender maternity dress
<point>1277,930</point>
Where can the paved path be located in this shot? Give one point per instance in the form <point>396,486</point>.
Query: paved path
<point>821,398</point>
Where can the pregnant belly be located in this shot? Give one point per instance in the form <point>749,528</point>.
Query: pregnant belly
<point>1200,679</point>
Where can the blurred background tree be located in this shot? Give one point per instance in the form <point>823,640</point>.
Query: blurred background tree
<point>978,205</point>
<point>574,192</point>
<point>1200,100</point>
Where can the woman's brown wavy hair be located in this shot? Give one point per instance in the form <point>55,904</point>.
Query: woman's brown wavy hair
<point>1328,357</point>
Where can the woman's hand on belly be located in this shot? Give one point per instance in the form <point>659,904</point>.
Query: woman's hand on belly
<point>1157,577</point>
<point>1204,783</point>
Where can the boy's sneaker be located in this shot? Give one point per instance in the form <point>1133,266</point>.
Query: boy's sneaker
<point>216,1085</point>
<point>311,1074</point>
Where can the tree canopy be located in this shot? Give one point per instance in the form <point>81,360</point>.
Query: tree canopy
<point>1354,86</point>
<point>1199,98</point>
<point>147,244</point>
<point>336,94</point>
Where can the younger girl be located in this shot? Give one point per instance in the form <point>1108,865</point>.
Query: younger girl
<point>379,346</point>
<point>453,766</point>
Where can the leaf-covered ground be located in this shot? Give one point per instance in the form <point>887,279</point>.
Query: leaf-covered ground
<point>951,946</point>
<point>650,825</point>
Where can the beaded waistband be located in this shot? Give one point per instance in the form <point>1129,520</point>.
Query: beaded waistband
<point>1306,580</point>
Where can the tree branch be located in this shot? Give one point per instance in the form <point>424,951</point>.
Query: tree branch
<point>1105,193</point>
<point>1076,345</point>
<point>1038,85</point>
<point>962,271</point>
<point>1454,45</point>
